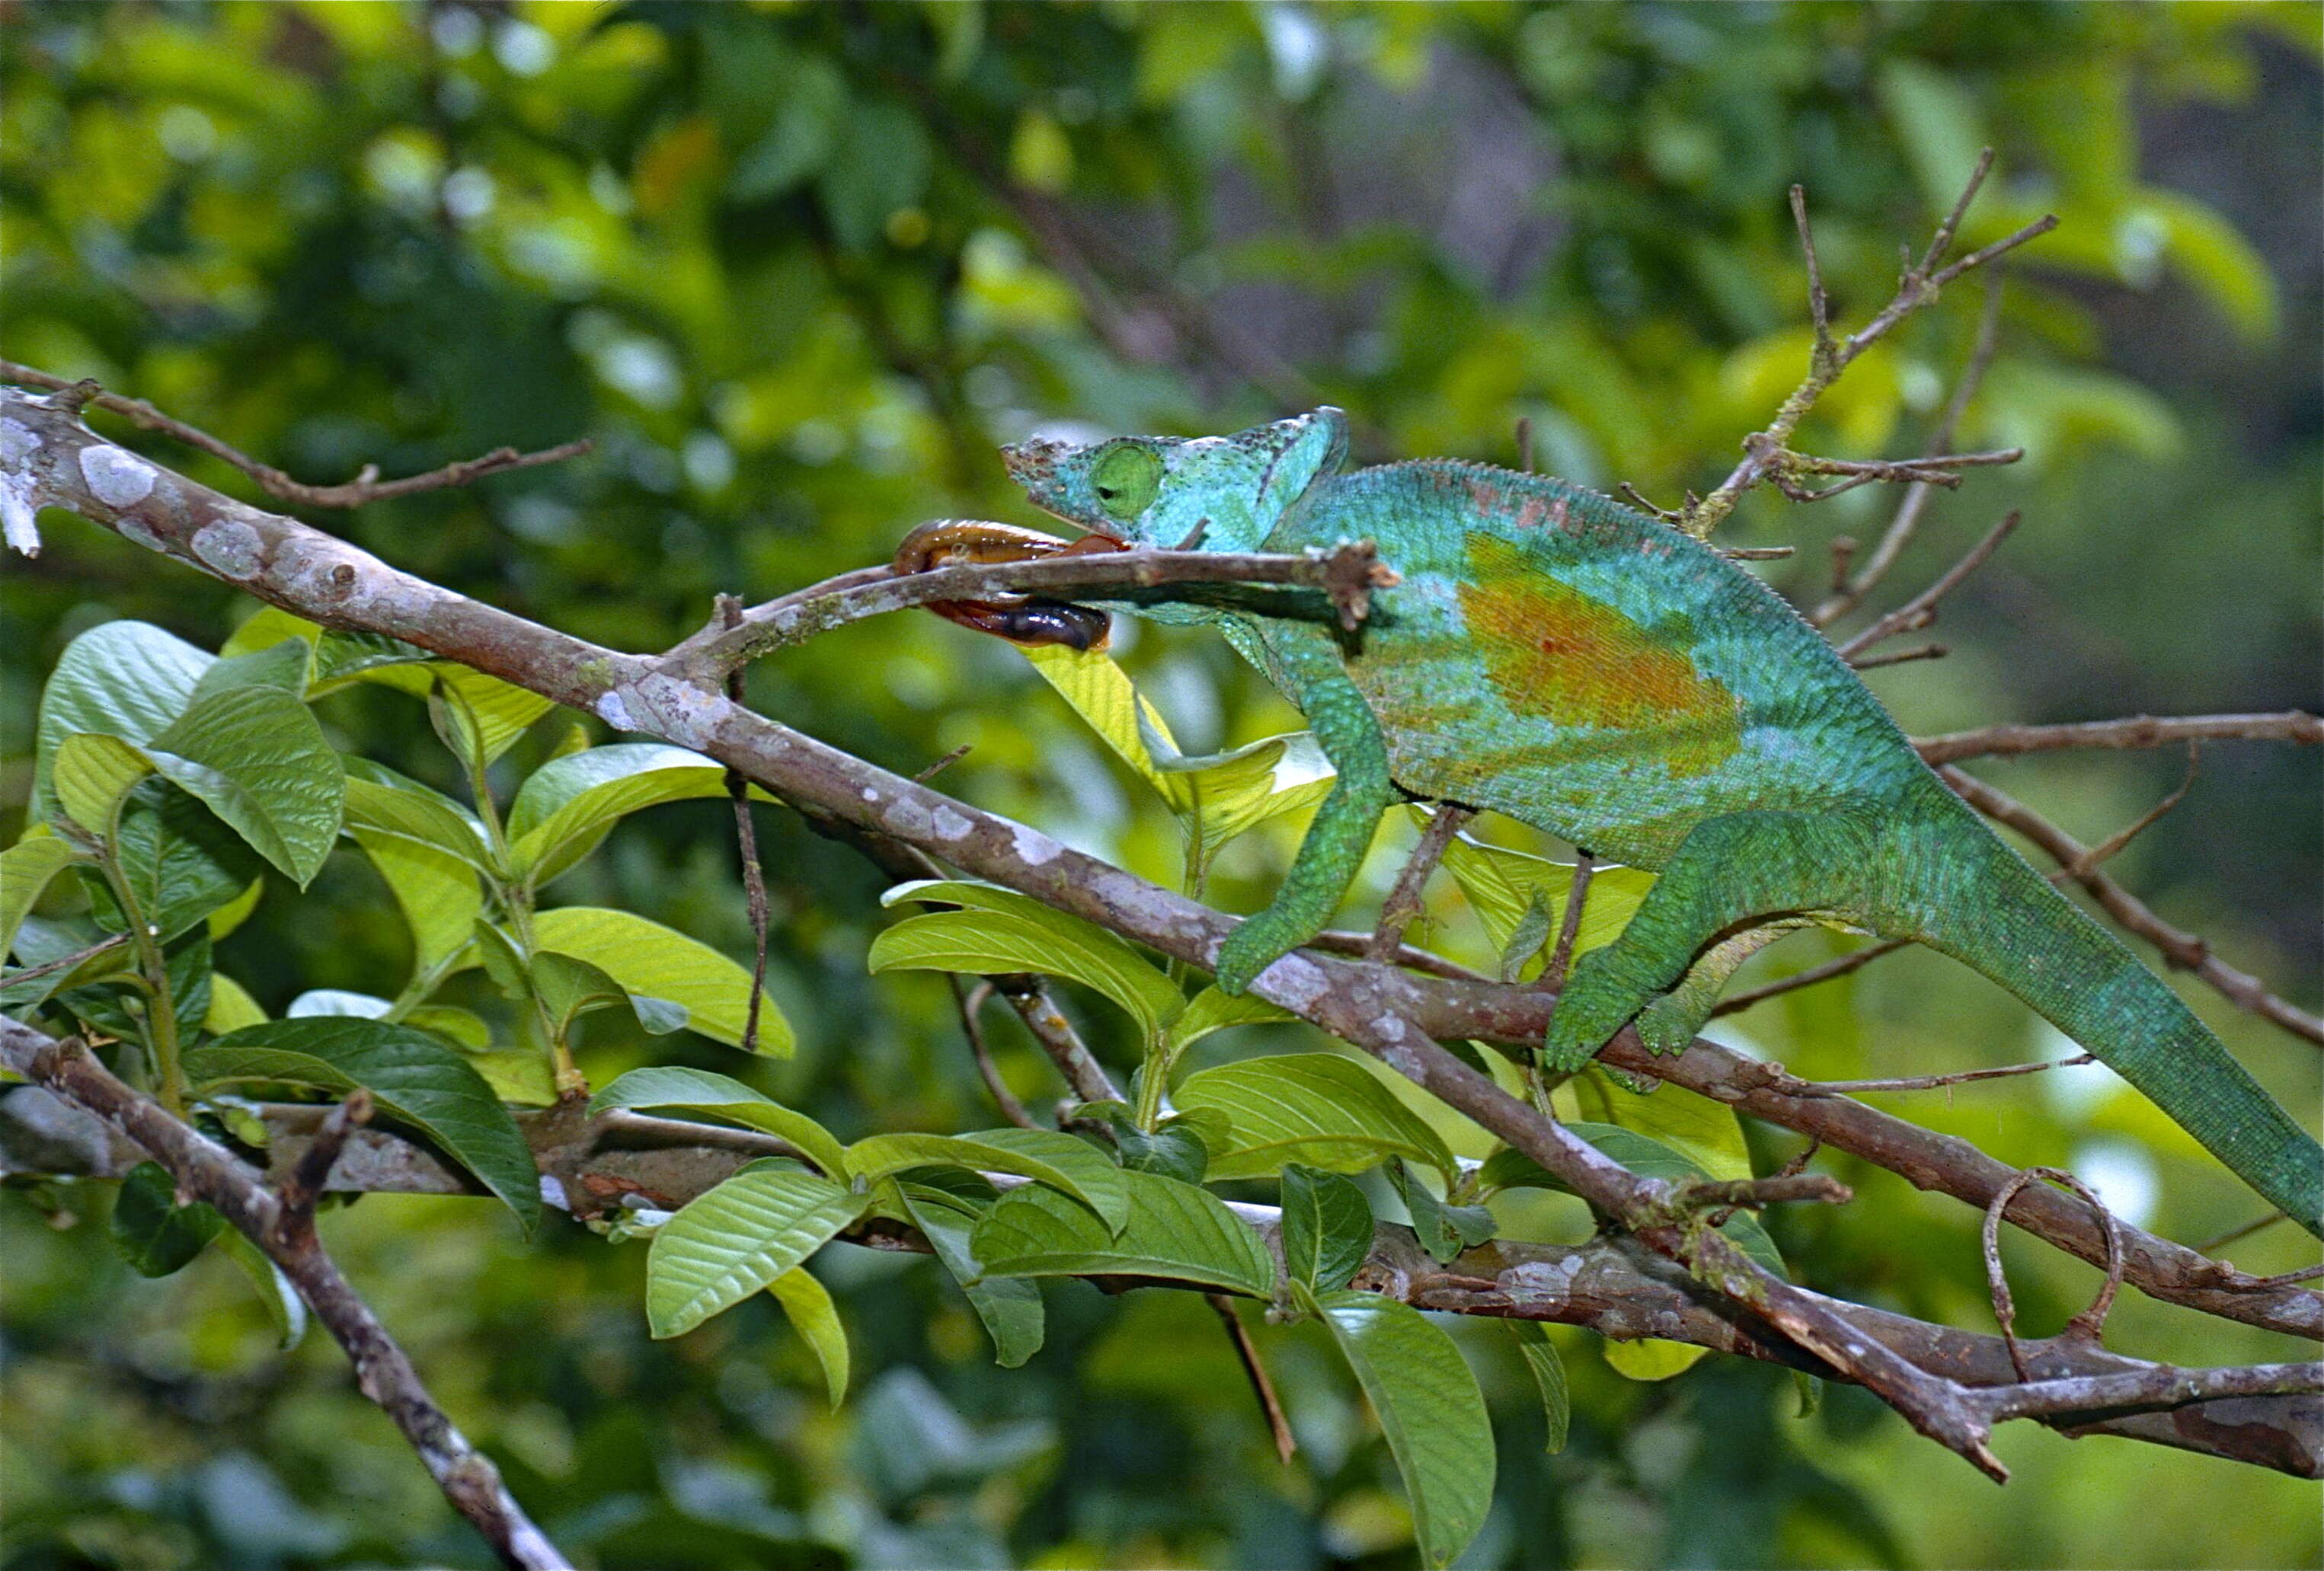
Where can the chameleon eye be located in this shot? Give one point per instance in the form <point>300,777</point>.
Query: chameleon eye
<point>1127,478</point>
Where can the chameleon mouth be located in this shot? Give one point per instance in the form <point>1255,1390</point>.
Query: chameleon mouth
<point>1027,619</point>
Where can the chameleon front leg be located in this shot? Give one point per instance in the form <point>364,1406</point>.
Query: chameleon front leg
<point>1350,734</point>
<point>1728,871</point>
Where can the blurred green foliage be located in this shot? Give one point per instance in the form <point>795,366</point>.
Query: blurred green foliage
<point>798,270</point>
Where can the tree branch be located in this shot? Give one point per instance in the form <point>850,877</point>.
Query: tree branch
<point>366,488</point>
<point>2138,731</point>
<point>284,1229</point>
<point>2182,951</point>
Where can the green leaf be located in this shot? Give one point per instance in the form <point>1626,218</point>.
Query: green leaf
<point>1009,1307</point>
<point>1445,1231</point>
<point>1212,1010</point>
<point>1000,929</point>
<point>266,628</point>
<point>463,1028</point>
<point>1099,692</point>
<point>1706,1133</point>
<point>383,802</point>
<point>478,716</point>
<point>1217,796</point>
<point>414,1078</point>
<point>1062,1162</point>
<point>1314,1107</point>
<point>1650,1358</point>
<point>282,663</point>
<point>180,860</point>
<point>231,1007</point>
<point>1174,1230</point>
<point>437,892</point>
<point>569,803</point>
<point>25,869</point>
<point>670,1089</point>
<point>569,989</point>
<point>658,962</point>
<point>153,1233</point>
<point>257,757</point>
<point>734,1239</point>
<point>1327,1227</point>
<point>1541,1357</point>
<point>1515,892</point>
<point>127,679</point>
<point>812,1315</point>
<point>236,911</point>
<point>1429,1408</point>
<point>91,774</point>
<point>284,1306</point>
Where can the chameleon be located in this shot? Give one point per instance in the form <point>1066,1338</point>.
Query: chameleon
<point>1554,656</point>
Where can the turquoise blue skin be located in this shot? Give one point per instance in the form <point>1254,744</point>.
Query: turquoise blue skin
<point>1580,667</point>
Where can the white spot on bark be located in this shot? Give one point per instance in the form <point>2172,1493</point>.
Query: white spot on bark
<point>1299,982</point>
<point>615,713</point>
<point>907,817</point>
<point>230,547</point>
<point>950,825</point>
<point>16,512</point>
<point>1033,847</point>
<point>1391,1025</point>
<point>1547,1280</point>
<point>870,794</point>
<point>120,479</point>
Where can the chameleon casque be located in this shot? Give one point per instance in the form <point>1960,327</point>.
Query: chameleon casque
<point>1552,655</point>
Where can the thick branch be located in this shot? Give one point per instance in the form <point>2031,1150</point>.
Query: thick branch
<point>382,1372</point>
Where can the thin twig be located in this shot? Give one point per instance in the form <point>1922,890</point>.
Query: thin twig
<point>1922,610</point>
<point>1758,1193</point>
<point>1358,945</point>
<point>1937,1082</point>
<point>63,962</point>
<point>1819,302</point>
<point>1404,900</point>
<point>366,488</point>
<point>2158,1387</point>
<point>2089,1326</point>
<point>1524,444</point>
<point>1809,977</point>
<point>2138,731</point>
<point>2107,849</point>
<point>1848,592</point>
<point>1569,927</point>
<point>208,1171</point>
<point>1029,997</point>
<point>1767,452</point>
<point>1279,1423</point>
<point>295,1197</point>
<point>971,1003</point>
<point>2236,1234</point>
<point>746,841</point>
<point>1901,657</point>
<point>2181,950</point>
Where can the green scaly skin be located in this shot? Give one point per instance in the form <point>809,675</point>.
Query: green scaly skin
<point>1556,656</point>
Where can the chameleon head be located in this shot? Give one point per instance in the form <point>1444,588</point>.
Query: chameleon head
<point>1161,491</point>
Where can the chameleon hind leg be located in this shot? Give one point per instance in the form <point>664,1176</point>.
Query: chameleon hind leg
<point>1728,872</point>
<point>1672,1021</point>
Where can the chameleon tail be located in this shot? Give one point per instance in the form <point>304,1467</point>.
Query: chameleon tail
<point>1981,903</point>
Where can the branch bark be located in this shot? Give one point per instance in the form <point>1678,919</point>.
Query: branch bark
<point>284,1228</point>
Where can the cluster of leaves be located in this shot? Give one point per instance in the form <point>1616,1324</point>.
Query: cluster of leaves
<point>167,780</point>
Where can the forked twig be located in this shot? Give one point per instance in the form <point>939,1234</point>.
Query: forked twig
<point>1922,610</point>
<point>1404,902</point>
<point>366,487</point>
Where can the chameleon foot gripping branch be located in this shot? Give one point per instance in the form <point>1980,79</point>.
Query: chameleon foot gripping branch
<point>1554,656</point>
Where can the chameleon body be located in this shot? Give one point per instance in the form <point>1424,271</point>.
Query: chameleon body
<point>1556,656</point>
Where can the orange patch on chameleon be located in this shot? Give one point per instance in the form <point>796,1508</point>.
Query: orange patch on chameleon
<point>1553,651</point>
